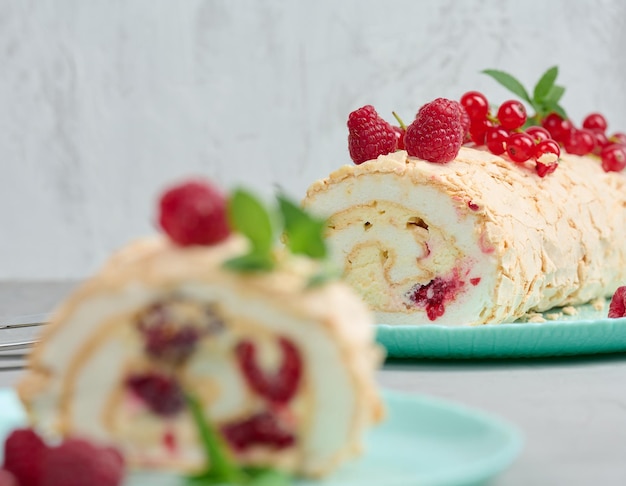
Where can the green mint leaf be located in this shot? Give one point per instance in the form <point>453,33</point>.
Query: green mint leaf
<point>267,477</point>
<point>509,82</point>
<point>545,84</point>
<point>554,95</point>
<point>222,467</point>
<point>251,262</point>
<point>250,218</point>
<point>304,233</point>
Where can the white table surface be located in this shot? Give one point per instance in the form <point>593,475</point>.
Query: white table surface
<point>572,411</point>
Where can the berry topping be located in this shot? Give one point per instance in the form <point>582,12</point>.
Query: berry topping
<point>475,104</point>
<point>194,213</point>
<point>465,122</point>
<point>601,141</point>
<point>400,132</point>
<point>547,152</point>
<point>618,138</point>
<point>545,169</point>
<point>617,308</point>
<point>580,142</point>
<point>23,453</point>
<point>512,114</point>
<point>7,478</point>
<point>520,147</point>
<point>559,128</point>
<point>260,429</point>
<point>435,295</point>
<point>369,135</point>
<point>161,393</point>
<point>613,158</point>
<point>280,387</point>
<point>495,140</point>
<point>595,122</point>
<point>76,462</point>
<point>538,133</point>
<point>478,131</point>
<point>436,134</point>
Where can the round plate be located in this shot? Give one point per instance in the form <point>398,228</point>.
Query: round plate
<point>589,331</point>
<point>423,441</point>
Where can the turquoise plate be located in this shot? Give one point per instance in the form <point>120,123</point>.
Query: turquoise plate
<point>422,442</point>
<point>587,332</point>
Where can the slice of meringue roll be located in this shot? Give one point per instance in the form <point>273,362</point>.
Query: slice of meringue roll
<point>474,241</point>
<point>283,370</point>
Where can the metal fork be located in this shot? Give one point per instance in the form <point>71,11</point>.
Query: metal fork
<point>17,335</point>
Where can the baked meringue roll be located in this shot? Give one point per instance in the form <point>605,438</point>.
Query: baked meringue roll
<point>474,241</point>
<point>284,371</point>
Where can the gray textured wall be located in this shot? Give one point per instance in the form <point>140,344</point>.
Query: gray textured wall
<point>103,102</point>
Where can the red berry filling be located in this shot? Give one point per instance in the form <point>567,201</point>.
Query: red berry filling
<point>282,385</point>
<point>194,213</point>
<point>261,429</point>
<point>617,308</point>
<point>161,393</point>
<point>433,296</point>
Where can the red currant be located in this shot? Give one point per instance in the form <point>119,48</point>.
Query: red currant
<point>495,140</point>
<point>538,133</point>
<point>475,104</point>
<point>478,129</point>
<point>547,152</point>
<point>618,138</point>
<point>520,147</point>
<point>399,132</point>
<point>512,114</point>
<point>601,142</point>
<point>613,158</point>
<point>595,122</point>
<point>580,142</point>
<point>559,128</point>
<point>545,169</point>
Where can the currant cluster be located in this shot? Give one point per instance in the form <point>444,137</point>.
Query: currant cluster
<point>504,133</point>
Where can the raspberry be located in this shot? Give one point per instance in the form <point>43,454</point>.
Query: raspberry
<point>369,135</point>
<point>260,429</point>
<point>436,134</point>
<point>617,308</point>
<point>194,213</point>
<point>7,478</point>
<point>23,454</point>
<point>76,462</point>
<point>279,388</point>
<point>161,393</point>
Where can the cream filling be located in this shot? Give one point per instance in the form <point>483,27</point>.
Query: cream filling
<point>419,254</point>
<point>334,403</point>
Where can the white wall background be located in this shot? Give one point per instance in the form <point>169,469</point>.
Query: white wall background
<point>104,102</point>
